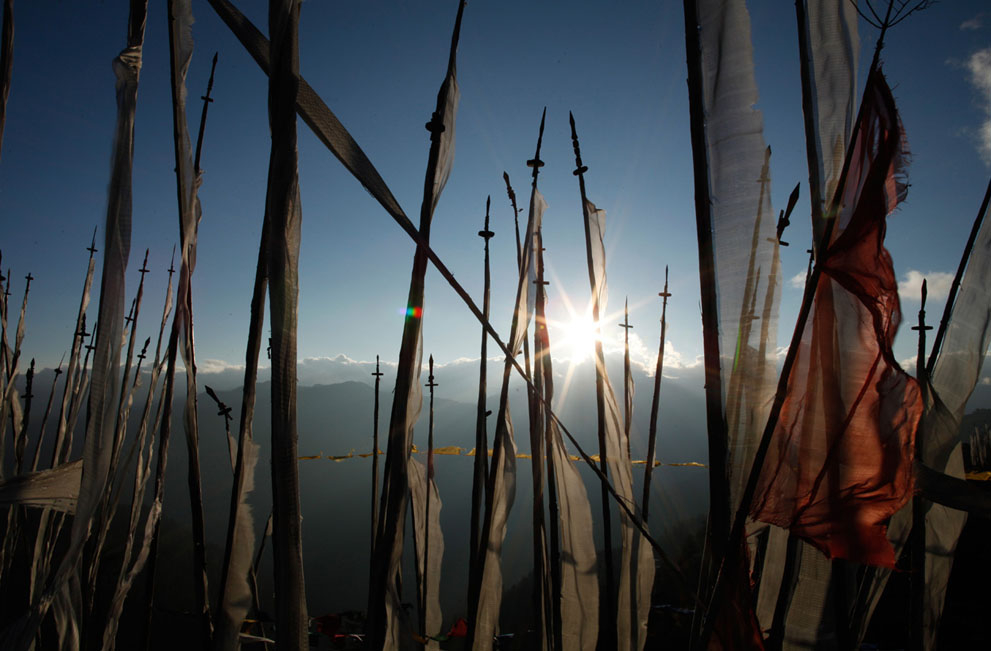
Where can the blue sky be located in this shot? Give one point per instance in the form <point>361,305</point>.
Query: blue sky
<point>620,67</point>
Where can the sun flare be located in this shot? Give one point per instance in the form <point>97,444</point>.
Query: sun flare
<point>577,338</point>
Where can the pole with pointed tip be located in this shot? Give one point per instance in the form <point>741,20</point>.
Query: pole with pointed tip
<point>917,537</point>
<point>656,400</point>
<point>481,612</point>
<point>607,613</point>
<point>426,516</point>
<point>481,470</point>
<point>542,614</point>
<point>395,488</point>
<point>206,105</point>
<point>375,451</point>
<point>627,378</point>
<point>544,388</point>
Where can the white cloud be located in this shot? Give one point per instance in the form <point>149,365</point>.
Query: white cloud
<point>973,24</point>
<point>986,380</point>
<point>937,285</point>
<point>798,280</point>
<point>979,68</point>
<point>216,366</point>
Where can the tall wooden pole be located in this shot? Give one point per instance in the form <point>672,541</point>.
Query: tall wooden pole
<point>607,610</point>
<point>426,516</point>
<point>544,386</point>
<point>917,537</point>
<point>736,533</point>
<point>481,467</point>
<point>375,452</point>
<point>627,380</point>
<point>656,400</point>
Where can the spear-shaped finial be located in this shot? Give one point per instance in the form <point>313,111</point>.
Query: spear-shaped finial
<point>144,266</point>
<point>144,351</point>
<point>665,294</point>
<point>82,334</point>
<point>535,162</point>
<point>922,313</point>
<point>90,347</point>
<point>783,216</point>
<point>92,244</point>
<point>206,105</point>
<point>626,316</point>
<point>129,317</point>
<point>516,219</point>
<point>486,233</point>
<point>172,263</point>
<point>579,168</point>
<point>430,377</point>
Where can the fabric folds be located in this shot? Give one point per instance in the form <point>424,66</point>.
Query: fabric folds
<point>840,461</point>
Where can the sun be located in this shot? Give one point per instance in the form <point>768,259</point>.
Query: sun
<point>576,338</point>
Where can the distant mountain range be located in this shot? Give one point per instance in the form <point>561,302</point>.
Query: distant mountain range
<point>335,402</point>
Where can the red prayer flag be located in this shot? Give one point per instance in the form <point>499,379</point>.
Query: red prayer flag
<point>840,460</point>
<point>459,629</point>
<point>736,627</point>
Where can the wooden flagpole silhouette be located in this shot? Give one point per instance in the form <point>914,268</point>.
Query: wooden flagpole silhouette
<point>655,401</point>
<point>480,472</point>
<point>607,610</point>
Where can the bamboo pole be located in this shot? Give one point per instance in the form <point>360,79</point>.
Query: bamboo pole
<point>502,434</point>
<point>375,451</point>
<point>544,389</point>
<point>917,535</point>
<point>627,378</point>
<point>395,490</point>
<point>180,50</point>
<point>480,470</point>
<point>6,61</point>
<point>245,428</point>
<point>283,208</point>
<point>426,516</point>
<point>719,499</point>
<point>127,571</point>
<point>955,286</point>
<point>541,579</point>
<point>207,100</point>
<point>655,401</point>
<point>607,606</point>
<point>48,411</point>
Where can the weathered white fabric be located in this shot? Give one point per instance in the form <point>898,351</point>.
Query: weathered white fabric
<point>636,572</point>
<point>954,376</point>
<point>451,95</point>
<point>56,489</point>
<point>596,234</point>
<point>105,382</point>
<point>502,472</point>
<point>428,572</point>
<point>743,228</point>
<point>525,305</point>
<point>238,592</point>
<point>832,51</point>
<point>579,581</point>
